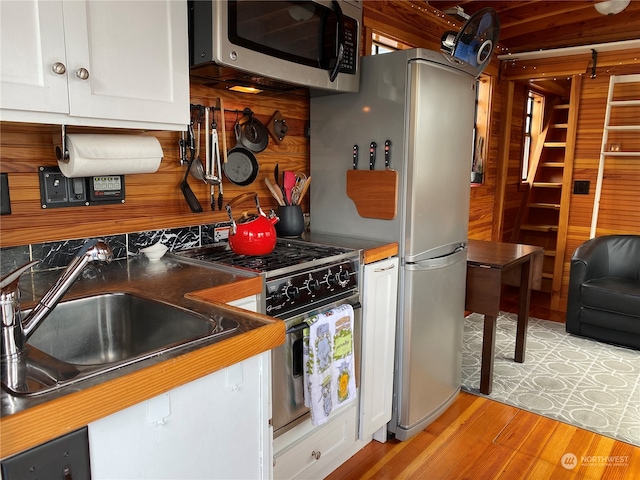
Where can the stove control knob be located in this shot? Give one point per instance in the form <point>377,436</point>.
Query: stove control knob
<point>332,279</point>
<point>313,285</point>
<point>277,296</point>
<point>292,292</point>
<point>341,278</point>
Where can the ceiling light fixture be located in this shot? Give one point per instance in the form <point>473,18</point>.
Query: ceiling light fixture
<point>611,7</point>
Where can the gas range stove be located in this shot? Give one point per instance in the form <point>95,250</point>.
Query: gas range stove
<point>299,276</point>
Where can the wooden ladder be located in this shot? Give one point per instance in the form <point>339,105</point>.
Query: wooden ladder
<point>544,213</point>
<point>621,127</point>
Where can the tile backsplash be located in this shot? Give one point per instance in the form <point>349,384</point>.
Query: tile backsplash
<point>54,255</point>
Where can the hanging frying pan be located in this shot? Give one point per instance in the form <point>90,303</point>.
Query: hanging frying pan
<point>241,167</point>
<point>251,132</point>
<point>476,40</point>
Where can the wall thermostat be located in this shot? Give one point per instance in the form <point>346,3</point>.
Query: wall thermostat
<point>106,189</point>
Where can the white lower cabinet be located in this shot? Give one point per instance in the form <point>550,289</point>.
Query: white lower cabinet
<point>216,427</point>
<point>379,301</point>
<point>248,303</point>
<point>321,451</point>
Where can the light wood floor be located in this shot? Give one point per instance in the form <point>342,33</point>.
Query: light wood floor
<point>477,438</point>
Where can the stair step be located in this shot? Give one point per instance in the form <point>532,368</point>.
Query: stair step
<point>560,125</point>
<point>547,275</point>
<point>555,144</point>
<point>551,206</point>
<point>549,253</point>
<point>563,106</point>
<point>547,184</point>
<point>553,164</point>
<point>539,228</point>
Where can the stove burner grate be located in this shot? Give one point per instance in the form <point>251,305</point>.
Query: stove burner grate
<point>286,254</point>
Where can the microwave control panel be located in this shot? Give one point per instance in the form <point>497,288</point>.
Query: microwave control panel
<point>350,58</point>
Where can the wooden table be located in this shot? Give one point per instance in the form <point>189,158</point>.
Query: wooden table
<point>489,265</point>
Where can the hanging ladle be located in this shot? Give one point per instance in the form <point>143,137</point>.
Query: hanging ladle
<point>197,170</point>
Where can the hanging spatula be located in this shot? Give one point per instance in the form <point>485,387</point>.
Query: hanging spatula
<point>189,196</point>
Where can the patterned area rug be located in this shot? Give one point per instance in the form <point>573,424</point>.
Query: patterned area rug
<point>574,380</point>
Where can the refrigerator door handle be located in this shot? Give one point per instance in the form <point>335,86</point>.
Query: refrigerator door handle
<point>438,262</point>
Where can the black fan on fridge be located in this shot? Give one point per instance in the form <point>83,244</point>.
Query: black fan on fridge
<point>475,42</point>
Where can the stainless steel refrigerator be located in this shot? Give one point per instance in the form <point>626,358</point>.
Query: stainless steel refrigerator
<point>423,103</point>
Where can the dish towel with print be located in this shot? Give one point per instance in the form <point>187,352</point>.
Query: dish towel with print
<point>329,362</point>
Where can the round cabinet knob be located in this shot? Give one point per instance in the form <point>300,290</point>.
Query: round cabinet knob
<point>316,455</point>
<point>82,73</point>
<point>58,68</point>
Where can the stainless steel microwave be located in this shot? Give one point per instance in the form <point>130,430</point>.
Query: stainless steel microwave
<point>277,43</point>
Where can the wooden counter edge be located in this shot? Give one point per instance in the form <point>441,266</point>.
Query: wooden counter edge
<point>228,292</point>
<point>63,415</point>
<point>379,253</point>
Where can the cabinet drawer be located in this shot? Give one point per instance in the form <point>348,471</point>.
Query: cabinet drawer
<point>318,449</point>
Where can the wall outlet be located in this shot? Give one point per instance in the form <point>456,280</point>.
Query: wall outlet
<point>221,232</point>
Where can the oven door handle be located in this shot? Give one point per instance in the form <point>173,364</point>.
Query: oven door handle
<point>303,325</point>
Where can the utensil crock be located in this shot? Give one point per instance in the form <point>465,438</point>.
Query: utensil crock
<point>291,222</point>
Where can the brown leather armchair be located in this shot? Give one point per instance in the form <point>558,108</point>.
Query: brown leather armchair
<point>604,290</point>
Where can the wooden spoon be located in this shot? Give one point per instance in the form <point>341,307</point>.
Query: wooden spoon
<point>305,187</point>
<point>275,192</point>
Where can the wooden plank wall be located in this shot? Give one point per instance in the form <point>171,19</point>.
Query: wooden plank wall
<point>620,200</point>
<point>153,201</point>
<point>620,203</point>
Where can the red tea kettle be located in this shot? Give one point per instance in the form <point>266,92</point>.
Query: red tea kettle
<point>252,234</point>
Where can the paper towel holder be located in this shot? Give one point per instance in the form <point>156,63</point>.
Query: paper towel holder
<point>62,154</point>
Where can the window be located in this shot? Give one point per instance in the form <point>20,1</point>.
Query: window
<point>381,44</point>
<point>481,132</point>
<point>532,119</point>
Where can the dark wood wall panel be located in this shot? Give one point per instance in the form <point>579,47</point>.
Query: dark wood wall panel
<point>153,201</point>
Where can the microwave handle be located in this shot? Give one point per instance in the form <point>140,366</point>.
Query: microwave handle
<point>336,68</point>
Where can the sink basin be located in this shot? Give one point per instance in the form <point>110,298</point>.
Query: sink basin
<point>115,327</point>
<point>84,337</point>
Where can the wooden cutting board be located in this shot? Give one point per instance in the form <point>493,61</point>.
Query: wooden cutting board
<point>375,192</point>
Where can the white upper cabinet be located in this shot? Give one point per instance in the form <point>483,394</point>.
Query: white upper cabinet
<point>31,43</point>
<point>98,63</point>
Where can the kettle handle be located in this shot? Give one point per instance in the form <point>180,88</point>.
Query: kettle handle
<point>242,197</point>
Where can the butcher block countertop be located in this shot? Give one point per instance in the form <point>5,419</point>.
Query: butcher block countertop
<point>30,421</point>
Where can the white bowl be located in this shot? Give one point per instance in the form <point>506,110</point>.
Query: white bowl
<point>155,252</point>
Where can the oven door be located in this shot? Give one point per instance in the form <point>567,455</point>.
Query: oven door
<point>288,395</point>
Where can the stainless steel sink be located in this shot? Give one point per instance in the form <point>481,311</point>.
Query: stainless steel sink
<point>85,337</point>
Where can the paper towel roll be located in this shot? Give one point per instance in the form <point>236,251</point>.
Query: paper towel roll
<point>102,154</point>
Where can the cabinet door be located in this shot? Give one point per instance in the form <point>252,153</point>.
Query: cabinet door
<point>379,302</point>
<point>215,427</point>
<point>135,60</point>
<point>31,43</point>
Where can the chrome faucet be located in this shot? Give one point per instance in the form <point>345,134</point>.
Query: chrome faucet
<point>16,331</point>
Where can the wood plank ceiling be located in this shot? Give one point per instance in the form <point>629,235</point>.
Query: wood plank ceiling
<point>528,26</point>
